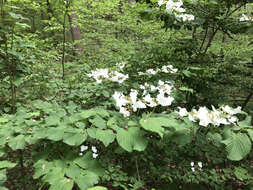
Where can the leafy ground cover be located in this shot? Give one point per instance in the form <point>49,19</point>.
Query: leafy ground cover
<point>134,95</point>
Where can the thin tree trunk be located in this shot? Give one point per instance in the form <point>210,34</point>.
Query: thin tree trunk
<point>75,31</point>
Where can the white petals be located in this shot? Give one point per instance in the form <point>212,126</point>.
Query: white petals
<point>182,112</point>
<point>230,110</point>
<point>192,164</point>
<point>175,7</point>
<point>94,149</point>
<point>186,17</point>
<point>83,148</point>
<point>245,18</point>
<point>94,155</point>
<point>163,100</point>
<point>160,2</point>
<point>103,74</point>
<point>200,164</point>
<point>121,65</point>
<point>99,75</point>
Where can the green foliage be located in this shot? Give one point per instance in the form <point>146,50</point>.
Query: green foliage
<point>67,133</point>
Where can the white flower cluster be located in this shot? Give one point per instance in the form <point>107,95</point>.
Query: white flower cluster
<point>245,18</point>
<point>132,102</point>
<point>224,115</point>
<point>103,74</point>
<point>121,64</point>
<point>165,69</point>
<point>93,149</point>
<point>200,165</point>
<point>176,8</point>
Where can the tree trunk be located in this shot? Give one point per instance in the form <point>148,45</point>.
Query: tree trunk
<point>75,31</point>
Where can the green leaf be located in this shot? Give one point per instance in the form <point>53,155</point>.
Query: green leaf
<point>98,188</point>
<point>246,122</point>
<point>7,164</point>
<point>155,124</point>
<point>74,138</point>
<point>88,179</point>
<point>106,136</point>
<point>52,120</point>
<point>186,89</point>
<point>3,177</point>
<point>237,146</point>
<point>55,134</point>
<point>92,132</point>
<point>98,122</point>
<point>131,139</point>
<point>242,174</point>
<point>17,142</point>
<point>87,113</point>
<point>63,184</point>
<point>250,133</point>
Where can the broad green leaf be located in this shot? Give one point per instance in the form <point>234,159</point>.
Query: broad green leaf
<point>92,132</point>
<point>4,119</point>
<point>156,124</point>
<point>98,188</point>
<point>106,136</point>
<point>86,180</point>
<point>98,122</point>
<point>182,137</point>
<point>62,184</point>
<point>242,174</point>
<point>52,120</point>
<point>131,139</point>
<point>87,113</point>
<point>237,146</point>
<point>74,138</point>
<point>250,133</point>
<point>246,122</point>
<point>17,142</point>
<point>55,134</point>
<point>7,164</point>
<point>3,177</point>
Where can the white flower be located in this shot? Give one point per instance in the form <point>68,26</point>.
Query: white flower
<point>230,110</point>
<point>186,17</point>
<point>160,83</point>
<point>83,148</point>
<point>121,65</point>
<point>164,101</point>
<point>244,18</point>
<point>99,74</point>
<point>175,6</point>
<point>203,115</point>
<point>182,112</point>
<point>136,104</point>
<point>120,99</point>
<point>124,111</point>
<point>118,77</point>
<point>94,149</point>
<point>193,169</point>
<point>94,155</point>
<point>160,3</point>
<point>200,164</point>
<point>150,101</point>
<point>192,164</point>
<point>153,88</point>
<point>151,71</point>
<point>169,68</point>
<point>232,119</point>
<point>80,154</point>
<point>191,117</point>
